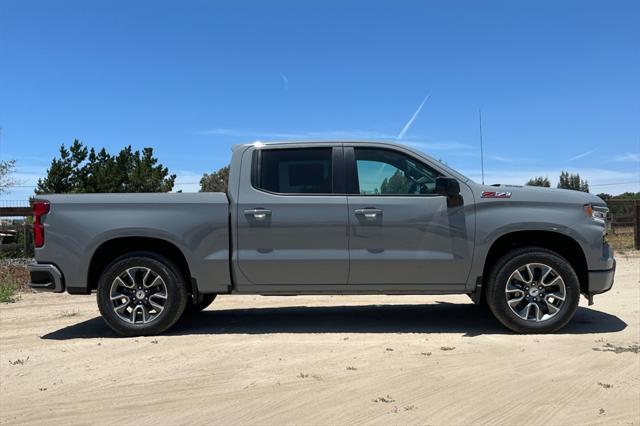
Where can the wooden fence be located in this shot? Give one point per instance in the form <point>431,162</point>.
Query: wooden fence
<point>16,236</point>
<point>625,219</point>
<point>16,211</point>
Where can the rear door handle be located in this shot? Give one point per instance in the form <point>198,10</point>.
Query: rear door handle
<point>258,214</point>
<point>368,213</point>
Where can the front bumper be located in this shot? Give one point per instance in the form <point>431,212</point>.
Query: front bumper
<point>601,281</point>
<point>45,277</point>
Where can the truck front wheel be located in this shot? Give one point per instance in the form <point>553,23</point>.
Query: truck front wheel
<point>141,294</point>
<point>533,290</point>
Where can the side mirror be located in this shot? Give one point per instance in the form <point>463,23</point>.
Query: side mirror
<point>447,186</point>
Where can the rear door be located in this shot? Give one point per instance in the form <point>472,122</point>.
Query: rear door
<point>401,231</point>
<point>292,217</point>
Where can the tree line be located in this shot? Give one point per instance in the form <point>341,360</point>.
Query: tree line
<point>566,181</point>
<point>571,181</point>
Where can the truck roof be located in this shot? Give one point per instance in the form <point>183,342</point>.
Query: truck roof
<point>364,142</point>
<point>311,142</point>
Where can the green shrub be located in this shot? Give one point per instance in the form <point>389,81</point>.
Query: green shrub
<point>8,291</point>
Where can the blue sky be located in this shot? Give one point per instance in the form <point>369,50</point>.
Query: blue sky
<point>558,81</point>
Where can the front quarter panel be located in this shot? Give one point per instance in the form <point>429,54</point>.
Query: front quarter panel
<point>535,209</point>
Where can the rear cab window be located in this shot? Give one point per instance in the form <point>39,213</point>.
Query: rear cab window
<point>294,170</point>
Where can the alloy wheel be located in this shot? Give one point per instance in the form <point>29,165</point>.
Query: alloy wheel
<point>535,292</point>
<point>138,295</point>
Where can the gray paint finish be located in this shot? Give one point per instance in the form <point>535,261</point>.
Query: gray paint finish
<point>197,224</point>
<point>317,243</point>
<point>413,240</point>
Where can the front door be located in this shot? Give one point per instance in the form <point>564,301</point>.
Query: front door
<point>400,230</point>
<point>292,217</point>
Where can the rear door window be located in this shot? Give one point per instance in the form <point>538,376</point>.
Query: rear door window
<point>295,171</point>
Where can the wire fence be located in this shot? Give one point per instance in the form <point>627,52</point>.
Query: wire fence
<point>14,203</point>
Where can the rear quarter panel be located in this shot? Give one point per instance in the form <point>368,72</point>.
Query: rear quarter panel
<point>197,224</point>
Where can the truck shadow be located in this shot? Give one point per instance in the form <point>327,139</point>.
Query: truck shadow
<point>433,318</point>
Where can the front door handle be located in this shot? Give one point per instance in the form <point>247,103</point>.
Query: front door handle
<point>258,214</point>
<point>369,213</point>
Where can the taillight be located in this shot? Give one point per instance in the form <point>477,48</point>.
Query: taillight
<point>40,208</point>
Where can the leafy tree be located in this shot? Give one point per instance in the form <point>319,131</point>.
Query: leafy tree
<point>396,184</point>
<point>79,169</point>
<point>7,168</point>
<point>539,181</point>
<point>216,181</point>
<point>604,196</point>
<point>571,181</point>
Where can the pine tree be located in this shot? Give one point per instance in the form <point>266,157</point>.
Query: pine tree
<point>80,169</point>
<point>59,175</point>
<point>571,181</point>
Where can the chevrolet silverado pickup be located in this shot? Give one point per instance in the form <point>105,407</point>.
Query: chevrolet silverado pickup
<point>326,218</point>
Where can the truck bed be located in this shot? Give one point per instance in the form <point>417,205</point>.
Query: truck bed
<point>77,225</point>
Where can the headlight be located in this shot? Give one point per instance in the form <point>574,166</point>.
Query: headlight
<point>597,213</point>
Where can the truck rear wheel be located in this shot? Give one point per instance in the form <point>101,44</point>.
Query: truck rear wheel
<point>533,290</point>
<point>141,294</point>
<point>193,308</point>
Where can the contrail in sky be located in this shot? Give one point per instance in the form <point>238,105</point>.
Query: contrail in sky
<point>412,119</point>
<point>584,154</point>
<point>285,80</point>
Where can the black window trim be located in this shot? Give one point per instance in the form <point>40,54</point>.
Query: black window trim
<point>353,185</point>
<point>337,172</point>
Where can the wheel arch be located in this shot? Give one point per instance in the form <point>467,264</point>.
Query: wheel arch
<point>560,243</point>
<point>113,248</point>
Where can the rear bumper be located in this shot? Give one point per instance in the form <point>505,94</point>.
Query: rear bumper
<point>46,277</point>
<point>601,281</point>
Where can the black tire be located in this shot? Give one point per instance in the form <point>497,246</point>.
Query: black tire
<point>193,308</point>
<point>174,289</point>
<point>501,273</point>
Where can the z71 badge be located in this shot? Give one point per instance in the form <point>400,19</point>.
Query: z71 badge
<point>494,194</point>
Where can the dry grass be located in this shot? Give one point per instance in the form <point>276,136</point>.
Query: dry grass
<point>14,278</point>
<point>621,241</point>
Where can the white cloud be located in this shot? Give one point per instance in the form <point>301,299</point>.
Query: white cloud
<point>628,158</point>
<point>187,181</point>
<point>500,158</point>
<point>306,135</point>
<point>440,146</point>
<point>227,132</point>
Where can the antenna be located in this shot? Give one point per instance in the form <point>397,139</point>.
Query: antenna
<point>481,152</point>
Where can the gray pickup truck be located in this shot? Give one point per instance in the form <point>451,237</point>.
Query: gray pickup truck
<point>327,218</point>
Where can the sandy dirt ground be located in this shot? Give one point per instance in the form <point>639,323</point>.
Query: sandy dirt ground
<point>323,360</point>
